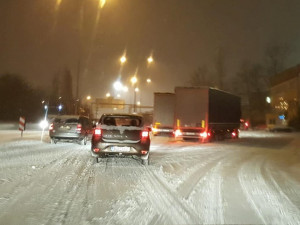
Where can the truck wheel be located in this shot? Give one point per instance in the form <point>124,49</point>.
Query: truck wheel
<point>53,141</point>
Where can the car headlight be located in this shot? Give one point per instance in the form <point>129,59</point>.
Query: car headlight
<point>44,124</point>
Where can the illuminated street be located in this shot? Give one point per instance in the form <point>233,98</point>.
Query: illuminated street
<point>252,180</point>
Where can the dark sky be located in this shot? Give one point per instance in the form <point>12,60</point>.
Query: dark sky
<point>39,39</point>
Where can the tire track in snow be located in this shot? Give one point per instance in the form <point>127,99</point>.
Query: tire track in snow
<point>166,202</point>
<point>28,181</point>
<point>32,186</point>
<point>197,173</point>
<point>269,206</point>
<point>61,213</point>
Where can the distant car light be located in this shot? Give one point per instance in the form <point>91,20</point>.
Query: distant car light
<point>44,124</point>
<point>178,133</point>
<point>204,134</point>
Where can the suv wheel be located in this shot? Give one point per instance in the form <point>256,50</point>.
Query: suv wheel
<point>83,141</point>
<point>53,141</point>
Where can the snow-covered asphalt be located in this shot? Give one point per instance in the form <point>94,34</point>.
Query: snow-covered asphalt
<point>252,180</point>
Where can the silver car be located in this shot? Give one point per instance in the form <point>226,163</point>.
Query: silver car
<point>71,128</point>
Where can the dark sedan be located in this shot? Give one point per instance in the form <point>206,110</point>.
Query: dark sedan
<point>121,135</point>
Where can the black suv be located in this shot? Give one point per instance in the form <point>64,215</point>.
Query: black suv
<point>121,135</point>
<point>70,127</point>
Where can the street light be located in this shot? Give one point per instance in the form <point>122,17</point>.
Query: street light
<point>88,97</point>
<point>148,80</point>
<point>150,59</point>
<point>133,80</point>
<point>123,59</point>
<point>107,94</point>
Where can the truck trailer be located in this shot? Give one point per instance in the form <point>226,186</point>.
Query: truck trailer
<point>163,114</point>
<point>206,114</point>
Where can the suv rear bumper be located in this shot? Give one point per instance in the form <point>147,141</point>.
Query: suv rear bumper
<point>102,149</point>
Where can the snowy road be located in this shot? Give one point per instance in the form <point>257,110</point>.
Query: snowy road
<point>253,180</point>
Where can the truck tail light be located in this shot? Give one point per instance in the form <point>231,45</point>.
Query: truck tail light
<point>97,132</point>
<point>78,128</point>
<point>177,133</point>
<point>51,127</point>
<point>204,134</point>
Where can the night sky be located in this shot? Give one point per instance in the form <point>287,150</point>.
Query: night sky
<point>41,38</point>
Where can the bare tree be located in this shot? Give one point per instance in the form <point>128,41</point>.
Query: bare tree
<point>220,67</point>
<point>200,77</point>
<point>276,56</point>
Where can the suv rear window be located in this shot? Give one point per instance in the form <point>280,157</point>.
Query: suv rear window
<point>122,121</point>
<point>60,120</point>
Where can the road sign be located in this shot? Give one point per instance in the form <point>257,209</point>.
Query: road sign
<point>22,124</point>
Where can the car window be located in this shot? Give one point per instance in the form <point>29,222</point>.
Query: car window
<point>72,120</point>
<point>123,121</point>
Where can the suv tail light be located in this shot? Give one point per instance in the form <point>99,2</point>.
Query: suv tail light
<point>51,126</point>
<point>145,134</point>
<point>97,132</point>
<point>78,128</point>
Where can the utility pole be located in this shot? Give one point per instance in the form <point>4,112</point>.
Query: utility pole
<point>77,88</point>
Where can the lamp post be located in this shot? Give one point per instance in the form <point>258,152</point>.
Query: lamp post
<point>133,80</point>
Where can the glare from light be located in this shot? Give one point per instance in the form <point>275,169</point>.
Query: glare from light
<point>107,94</point>
<point>136,89</point>
<point>123,59</point>
<point>60,107</point>
<point>118,85</point>
<point>125,89</point>
<point>118,95</point>
<point>59,97</point>
<point>45,107</point>
<point>268,99</point>
<point>138,103</point>
<point>150,59</point>
<point>148,80</point>
<point>44,124</point>
<point>133,80</point>
<point>88,97</point>
<point>102,3</point>
<point>115,109</point>
<point>58,2</point>
<point>43,102</point>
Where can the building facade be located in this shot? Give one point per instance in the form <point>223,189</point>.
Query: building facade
<point>285,96</point>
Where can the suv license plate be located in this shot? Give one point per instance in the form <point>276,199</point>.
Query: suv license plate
<point>120,149</point>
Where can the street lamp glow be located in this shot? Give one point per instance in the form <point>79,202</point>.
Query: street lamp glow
<point>136,89</point>
<point>123,59</point>
<point>107,94</point>
<point>150,59</point>
<point>102,3</point>
<point>268,99</point>
<point>125,89</point>
<point>138,103</point>
<point>45,107</point>
<point>118,95</point>
<point>148,80</point>
<point>133,79</point>
<point>88,97</point>
<point>118,85</point>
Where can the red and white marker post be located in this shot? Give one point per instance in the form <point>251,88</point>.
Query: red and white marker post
<point>22,124</point>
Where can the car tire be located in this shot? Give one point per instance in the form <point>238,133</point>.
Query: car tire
<point>53,141</point>
<point>145,162</point>
<point>83,141</point>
